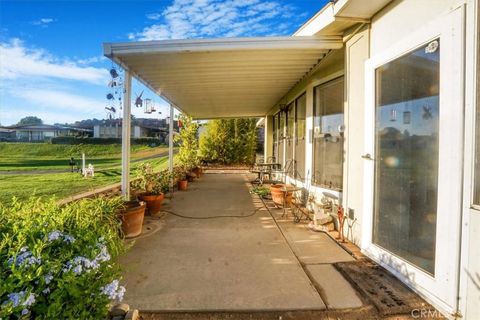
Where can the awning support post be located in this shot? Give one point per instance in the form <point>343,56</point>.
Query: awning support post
<point>126,135</point>
<point>170,141</point>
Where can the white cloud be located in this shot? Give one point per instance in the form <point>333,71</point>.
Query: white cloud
<point>216,18</point>
<point>91,60</point>
<point>43,22</point>
<point>154,16</point>
<point>62,101</point>
<point>34,82</point>
<point>17,61</point>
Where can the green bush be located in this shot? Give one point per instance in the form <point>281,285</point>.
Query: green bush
<point>187,155</point>
<point>59,262</point>
<point>229,141</point>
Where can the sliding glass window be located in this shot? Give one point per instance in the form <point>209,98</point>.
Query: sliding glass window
<point>289,147</point>
<point>275,136</point>
<point>300,117</point>
<point>281,136</point>
<point>328,135</point>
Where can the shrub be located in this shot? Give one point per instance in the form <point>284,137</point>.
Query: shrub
<point>229,141</point>
<point>102,141</point>
<point>148,180</point>
<point>59,262</point>
<point>187,156</point>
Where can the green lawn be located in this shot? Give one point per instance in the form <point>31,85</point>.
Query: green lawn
<point>44,156</point>
<point>35,156</point>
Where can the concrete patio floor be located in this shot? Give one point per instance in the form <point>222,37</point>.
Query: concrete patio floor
<point>247,261</point>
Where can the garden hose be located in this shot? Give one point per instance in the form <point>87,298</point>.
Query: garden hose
<point>212,217</point>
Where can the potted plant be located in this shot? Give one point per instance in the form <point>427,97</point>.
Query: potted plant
<point>153,186</point>
<point>280,196</point>
<point>131,215</point>
<point>187,155</point>
<point>181,177</point>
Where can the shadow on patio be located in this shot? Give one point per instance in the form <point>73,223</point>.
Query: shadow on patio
<point>230,255</point>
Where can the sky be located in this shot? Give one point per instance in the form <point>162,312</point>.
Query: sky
<point>51,63</point>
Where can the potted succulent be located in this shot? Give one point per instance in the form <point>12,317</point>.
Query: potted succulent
<point>153,186</point>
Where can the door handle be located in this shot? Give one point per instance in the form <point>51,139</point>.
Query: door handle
<point>367,157</point>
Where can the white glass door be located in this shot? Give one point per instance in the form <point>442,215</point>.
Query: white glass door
<point>413,162</point>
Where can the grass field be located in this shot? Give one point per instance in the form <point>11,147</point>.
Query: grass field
<point>65,184</point>
<point>44,156</point>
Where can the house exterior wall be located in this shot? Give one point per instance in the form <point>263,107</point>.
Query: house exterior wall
<point>35,135</point>
<point>402,19</point>
<point>331,67</point>
<point>137,132</point>
<point>469,289</point>
<point>356,53</point>
<point>394,23</point>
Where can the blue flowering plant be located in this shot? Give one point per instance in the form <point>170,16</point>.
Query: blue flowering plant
<point>59,262</point>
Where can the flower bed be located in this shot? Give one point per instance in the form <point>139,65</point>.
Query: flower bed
<point>59,262</point>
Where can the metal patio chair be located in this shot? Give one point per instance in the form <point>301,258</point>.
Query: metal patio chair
<point>300,199</point>
<point>287,168</point>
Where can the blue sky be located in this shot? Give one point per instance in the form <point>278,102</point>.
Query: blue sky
<point>51,62</point>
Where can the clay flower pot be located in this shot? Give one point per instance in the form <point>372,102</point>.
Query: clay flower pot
<point>154,202</point>
<point>278,196</point>
<point>132,218</point>
<point>182,185</point>
<point>197,171</point>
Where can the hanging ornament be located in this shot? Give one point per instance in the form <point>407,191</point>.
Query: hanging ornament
<point>139,101</point>
<point>427,113</point>
<point>113,72</point>
<point>114,96</point>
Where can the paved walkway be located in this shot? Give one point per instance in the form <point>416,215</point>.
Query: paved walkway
<point>233,263</point>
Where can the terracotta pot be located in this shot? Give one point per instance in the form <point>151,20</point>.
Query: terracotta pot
<point>278,195</point>
<point>182,185</point>
<point>197,171</point>
<point>154,202</point>
<point>132,218</point>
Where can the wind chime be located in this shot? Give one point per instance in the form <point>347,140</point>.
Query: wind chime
<point>114,96</point>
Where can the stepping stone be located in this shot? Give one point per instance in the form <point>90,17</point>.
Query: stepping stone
<point>336,291</point>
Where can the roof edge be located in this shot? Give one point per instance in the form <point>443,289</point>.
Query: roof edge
<point>221,44</point>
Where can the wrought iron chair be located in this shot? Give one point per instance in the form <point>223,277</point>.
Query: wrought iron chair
<point>300,200</point>
<point>287,168</point>
<point>259,171</point>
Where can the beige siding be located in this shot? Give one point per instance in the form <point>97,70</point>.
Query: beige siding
<point>401,18</point>
<point>356,54</point>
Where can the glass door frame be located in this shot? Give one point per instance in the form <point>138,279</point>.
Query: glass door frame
<point>440,289</point>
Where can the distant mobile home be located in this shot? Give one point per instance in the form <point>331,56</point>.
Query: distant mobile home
<point>42,132</point>
<point>377,103</point>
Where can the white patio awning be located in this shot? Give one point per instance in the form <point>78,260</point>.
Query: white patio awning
<point>221,78</point>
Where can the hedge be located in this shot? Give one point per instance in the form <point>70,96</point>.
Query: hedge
<point>88,140</point>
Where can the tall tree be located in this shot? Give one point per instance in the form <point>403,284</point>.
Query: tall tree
<point>229,141</point>
<point>30,120</point>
